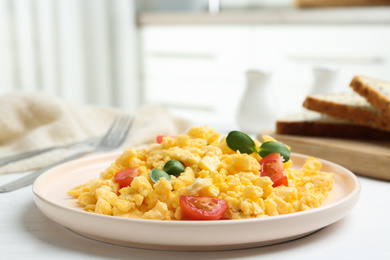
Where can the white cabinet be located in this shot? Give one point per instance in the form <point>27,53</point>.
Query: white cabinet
<point>196,70</point>
<point>199,70</point>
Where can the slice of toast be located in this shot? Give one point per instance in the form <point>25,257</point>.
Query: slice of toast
<point>310,123</point>
<point>376,92</point>
<point>348,106</point>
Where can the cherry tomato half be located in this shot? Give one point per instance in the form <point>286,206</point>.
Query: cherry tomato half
<point>126,176</point>
<point>202,208</point>
<point>160,138</point>
<point>272,166</point>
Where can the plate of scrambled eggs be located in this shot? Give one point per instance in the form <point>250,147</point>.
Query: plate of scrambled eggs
<point>195,192</point>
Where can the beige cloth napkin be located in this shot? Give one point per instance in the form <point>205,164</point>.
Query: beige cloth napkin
<point>38,120</point>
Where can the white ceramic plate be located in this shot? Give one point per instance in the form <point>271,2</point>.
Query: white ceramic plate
<point>50,195</point>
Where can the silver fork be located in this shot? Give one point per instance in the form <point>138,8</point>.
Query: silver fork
<point>114,137</point>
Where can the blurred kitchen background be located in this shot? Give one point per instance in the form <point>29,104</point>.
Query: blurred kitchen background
<point>191,56</point>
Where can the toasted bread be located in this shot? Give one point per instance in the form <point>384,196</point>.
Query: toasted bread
<point>310,123</point>
<point>348,106</point>
<point>376,92</point>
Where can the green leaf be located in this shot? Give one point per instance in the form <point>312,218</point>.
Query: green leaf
<point>174,167</point>
<point>156,174</point>
<point>274,147</point>
<point>239,141</point>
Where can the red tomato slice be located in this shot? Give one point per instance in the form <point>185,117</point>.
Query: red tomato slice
<point>160,138</point>
<point>126,176</point>
<point>272,166</point>
<point>202,208</point>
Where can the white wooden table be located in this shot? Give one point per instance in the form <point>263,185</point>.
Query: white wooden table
<point>25,233</point>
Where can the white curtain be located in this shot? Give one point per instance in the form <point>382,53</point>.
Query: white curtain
<point>82,50</point>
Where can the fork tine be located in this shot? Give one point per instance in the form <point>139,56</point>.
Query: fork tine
<point>128,124</point>
<point>109,131</point>
<point>117,133</point>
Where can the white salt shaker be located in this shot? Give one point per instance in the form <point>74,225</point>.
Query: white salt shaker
<point>325,77</point>
<point>258,106</point>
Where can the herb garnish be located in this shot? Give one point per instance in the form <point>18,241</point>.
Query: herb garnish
<point>239,141</point>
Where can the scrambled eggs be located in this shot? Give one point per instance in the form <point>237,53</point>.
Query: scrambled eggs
<point>212,170</point>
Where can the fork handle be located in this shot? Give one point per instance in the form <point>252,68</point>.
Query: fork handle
<point>22,156</point>
<point>25,155</point>
<point>30,178</point>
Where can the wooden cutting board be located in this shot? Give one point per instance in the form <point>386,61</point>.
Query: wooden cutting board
<point>367,158</point>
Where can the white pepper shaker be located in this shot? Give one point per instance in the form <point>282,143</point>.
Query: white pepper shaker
<point>325,77</point>
<point>258,106</point>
